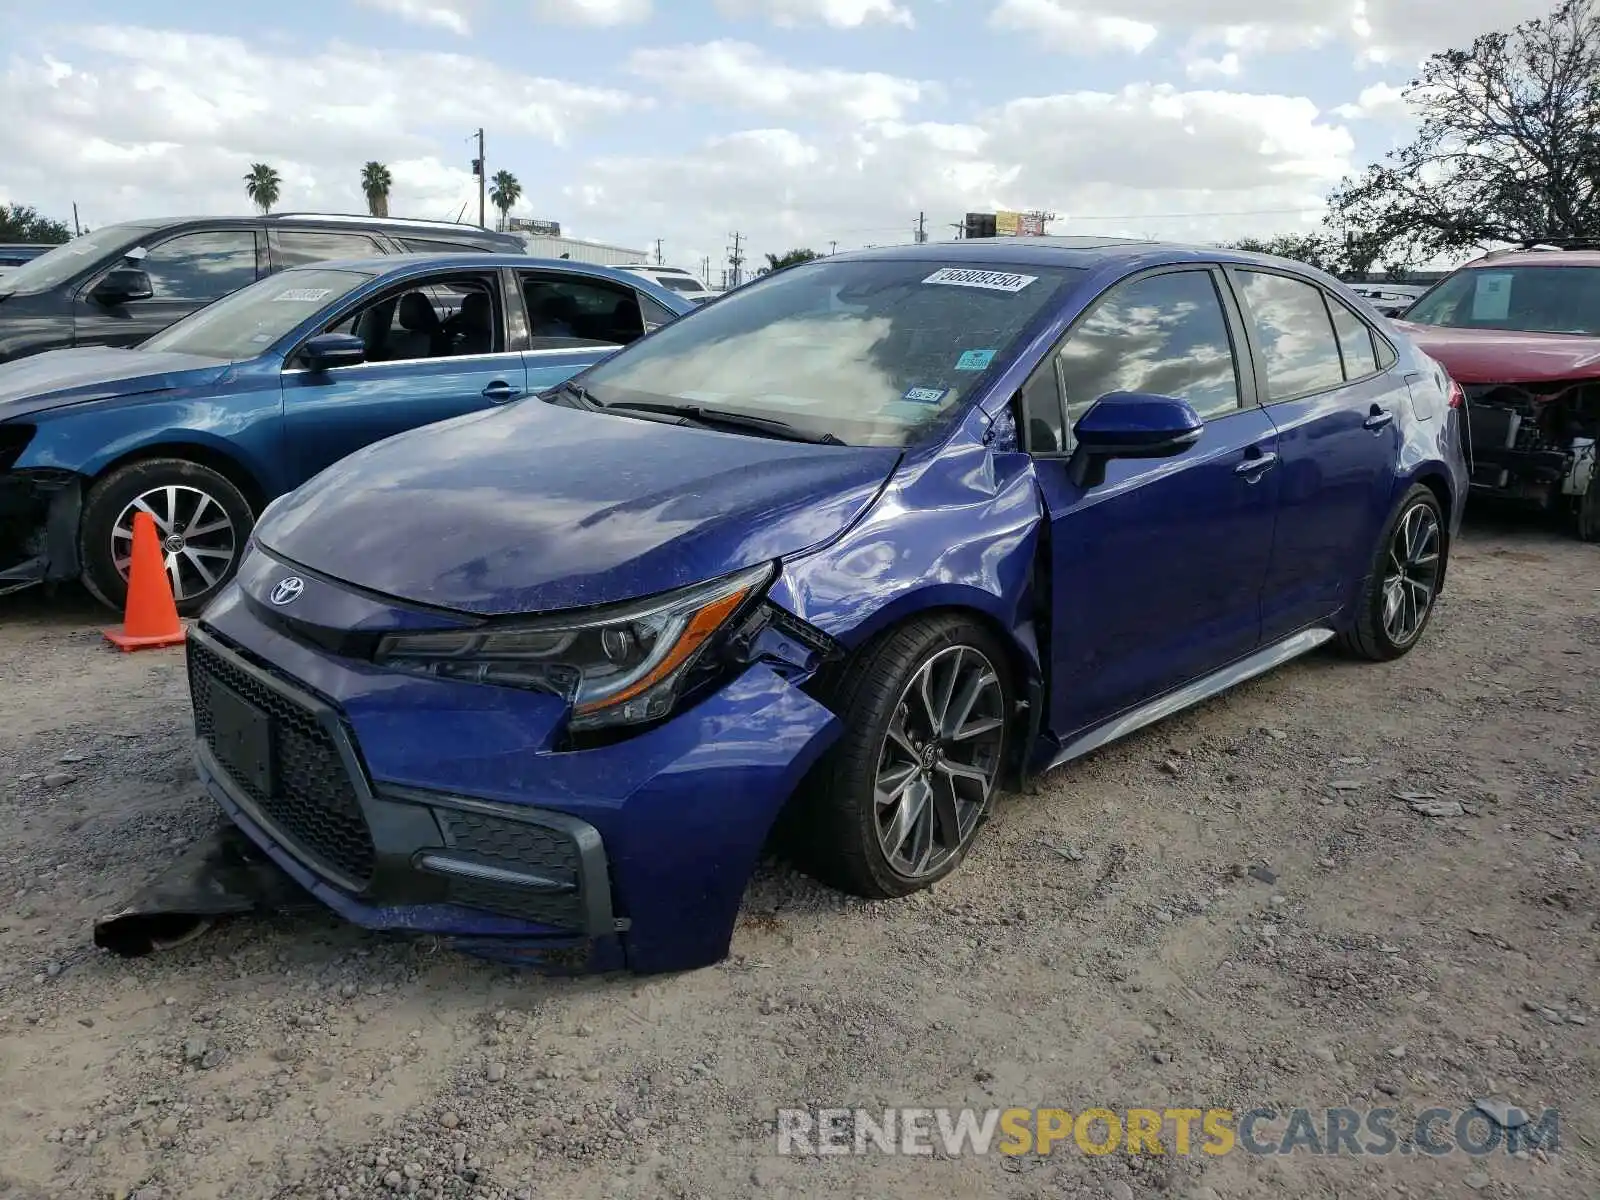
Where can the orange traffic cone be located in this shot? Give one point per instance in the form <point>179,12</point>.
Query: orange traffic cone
<point>151,618</point>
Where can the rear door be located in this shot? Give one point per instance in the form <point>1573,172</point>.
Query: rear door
<point>575,320</point>
<point>1156,573</point>
<point>1326,384</point>
<point>187,272</point>
<point>437,347</point>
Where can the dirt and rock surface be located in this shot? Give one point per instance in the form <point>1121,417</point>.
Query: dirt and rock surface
<point>1107,944</point>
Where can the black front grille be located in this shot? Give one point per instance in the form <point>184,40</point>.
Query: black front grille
<point>313,803</point>
<point>515,846</point>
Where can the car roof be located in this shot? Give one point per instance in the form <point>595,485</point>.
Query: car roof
<point>1065,251</point>
<point>1537,258</point>
<point>394,225</point>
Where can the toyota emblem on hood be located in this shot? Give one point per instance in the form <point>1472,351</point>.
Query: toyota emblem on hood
<point>287,590</point>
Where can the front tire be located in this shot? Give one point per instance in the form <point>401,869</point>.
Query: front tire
<point>897,803</point>
<point>202,519</point>
<point>1586,513</point>
<point>1397,596</point>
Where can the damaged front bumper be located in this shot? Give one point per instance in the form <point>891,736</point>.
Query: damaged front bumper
<point>39,512</point>
<point>443,808</point>
<point>1534,443</point>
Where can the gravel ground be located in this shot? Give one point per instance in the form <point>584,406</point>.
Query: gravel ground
<point>1108,943</point>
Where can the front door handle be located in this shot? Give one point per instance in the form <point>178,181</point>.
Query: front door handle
<point>1257,465</point>
<point>1377,420</point>
<point>500,391</point>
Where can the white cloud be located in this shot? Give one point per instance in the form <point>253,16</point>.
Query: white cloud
<point>840,14</point>
<point>739,75</point>
<point>1382,101</point>
<point>136,121</point>
<point>440,14</point>
<point>1108,162</point>
<point>1226,67</point>
<point>601,13</point>
<point>1060,27</point>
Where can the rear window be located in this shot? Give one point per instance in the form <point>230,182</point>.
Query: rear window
<point>681,283</point>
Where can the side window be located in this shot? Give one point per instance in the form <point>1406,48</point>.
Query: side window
<point>1043,430</point>
<point>433,318</point>
<point>1298,347</point>
<point>295,247</point>
<point>1356,346</point>
<point>567,308</point>
<point>429,246</point>
<point>201,267</point>
<point>655,315</point>
<point>1163,334</point>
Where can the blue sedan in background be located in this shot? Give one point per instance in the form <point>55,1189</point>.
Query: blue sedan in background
<point>246,399</point>
<point>833,557</point>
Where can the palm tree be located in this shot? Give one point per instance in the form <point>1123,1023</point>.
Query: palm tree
<point>504,192</point>
<point>376,182</point>
<point>262,185</point>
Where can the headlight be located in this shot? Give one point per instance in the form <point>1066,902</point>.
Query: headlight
<point>621,665</point>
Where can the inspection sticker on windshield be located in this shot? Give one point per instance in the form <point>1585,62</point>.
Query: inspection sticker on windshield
<point>1491,296</point>
<point>974,360</point>
<point>302,295</point>
<point>994,281</point>
<point>925,395</point>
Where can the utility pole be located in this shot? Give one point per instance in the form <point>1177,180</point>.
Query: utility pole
<point>735,259</point>
<point>658,252</point>
<point>76,230</point>
<point>705,269</point>
<point>922,230</point>
<point>961,229</point>
<point>482,168</point>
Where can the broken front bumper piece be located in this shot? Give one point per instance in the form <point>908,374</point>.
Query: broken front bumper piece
<point>222,876</point>
<point>39,512</point>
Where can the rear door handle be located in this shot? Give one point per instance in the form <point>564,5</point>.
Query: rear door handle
<point>1257,465</point>
<point>1377,420</point>
<point>500,391</point>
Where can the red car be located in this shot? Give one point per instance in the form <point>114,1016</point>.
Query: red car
<point>1520,332</point>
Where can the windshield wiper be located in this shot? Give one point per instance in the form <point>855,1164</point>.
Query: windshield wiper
<point>576,390</point>
<point>699,414</point>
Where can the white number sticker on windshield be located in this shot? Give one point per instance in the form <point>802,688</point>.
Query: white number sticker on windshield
<point>302,295</point>
<point>994,281</point>
<point>1491,296</point>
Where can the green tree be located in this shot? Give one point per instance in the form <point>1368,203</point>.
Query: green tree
<point>375,184</point>
<point>262,185</point>
<point>504,192</point>
<point>1507,148</point>
<point>23,223</point>
<point>777,262</point>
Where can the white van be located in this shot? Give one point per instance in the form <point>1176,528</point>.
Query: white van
<point>675,278</point>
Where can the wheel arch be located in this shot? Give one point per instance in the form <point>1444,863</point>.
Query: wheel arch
<point>1438,482</point>
<point>204,454</point>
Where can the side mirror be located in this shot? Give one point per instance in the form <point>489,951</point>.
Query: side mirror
<point>328,350</point>
<point>122,284</point>
<point>1130,425</point>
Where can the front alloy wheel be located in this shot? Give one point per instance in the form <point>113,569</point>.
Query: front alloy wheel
<point>898,801</point>
<point>198,539</point>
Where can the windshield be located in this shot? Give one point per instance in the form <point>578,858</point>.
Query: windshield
<point>1553,299</point>
<point>244,324</point>
<point>873,352</point>
<point>68,259</point>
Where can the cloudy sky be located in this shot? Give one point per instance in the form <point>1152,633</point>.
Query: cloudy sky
<point>793,122</point>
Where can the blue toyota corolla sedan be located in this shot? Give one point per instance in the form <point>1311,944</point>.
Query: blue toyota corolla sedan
<point>205,423</point>
<point>832,559</point>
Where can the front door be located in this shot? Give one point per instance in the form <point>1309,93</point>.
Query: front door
<point>1337,410</point>
<point>436,348</point>
<point>186,272</point>
<point>1156,573</point>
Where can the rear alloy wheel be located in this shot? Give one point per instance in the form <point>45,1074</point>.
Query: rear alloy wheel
<point>201,518</point>
<point>1397,597</point>
<point>898,802</point>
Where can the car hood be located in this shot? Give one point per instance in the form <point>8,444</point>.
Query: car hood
<point>1504,356</point>
<point>537,508</point>
<point>60,377</point>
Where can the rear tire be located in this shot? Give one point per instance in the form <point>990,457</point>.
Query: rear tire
<point>1586,513</point>
<point>897,803</point>
<point>1396,598</point>
<point>201,517</point>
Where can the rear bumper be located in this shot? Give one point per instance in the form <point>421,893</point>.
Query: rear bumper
<point>433,807</point>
